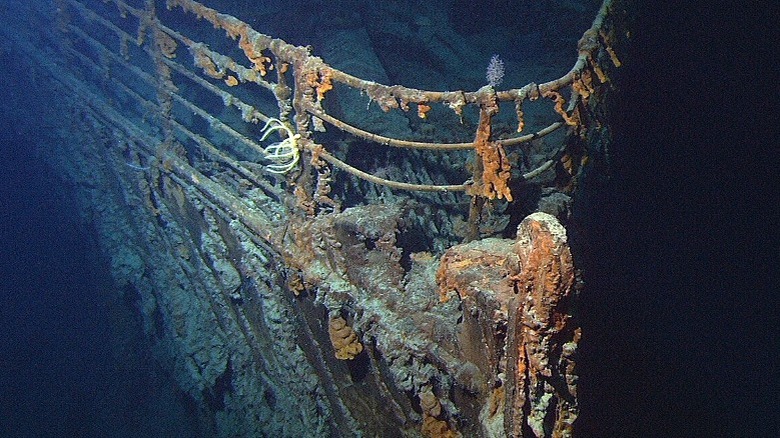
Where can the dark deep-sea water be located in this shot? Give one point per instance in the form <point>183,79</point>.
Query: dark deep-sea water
<point>681,309</point>
<point>72,362</point>
<point>680,320</point>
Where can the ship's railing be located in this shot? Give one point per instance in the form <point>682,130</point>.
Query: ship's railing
<point>171,89</point>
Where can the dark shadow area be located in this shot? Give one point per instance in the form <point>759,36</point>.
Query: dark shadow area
<point>72,357</point>
<point>679,312</point>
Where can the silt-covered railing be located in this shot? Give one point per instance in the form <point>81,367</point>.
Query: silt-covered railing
<point>299,83</point>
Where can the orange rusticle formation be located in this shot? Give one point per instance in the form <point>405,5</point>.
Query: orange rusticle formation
<point>560,101</point>
<point>434,428</point>
<point>493,182</point>
<point>422,110</point>
<point>520,115</point>
<point>320,80</point>
<point>588,46</point>
<point>583,84</point>
<point>496,171</point>
<point>433,425</point>
<point>262,64</point>
<point>344,339</point>
<point>204,62</point>
<point>295,284</point>
<point>235,28</point>
<point>231,81</point>
<point>607,38</point>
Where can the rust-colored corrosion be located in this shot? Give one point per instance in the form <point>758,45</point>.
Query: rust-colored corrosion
<point>433,424</point>
<point>512,351</point>
<point>545,337</point>
<point>493,171</point>
<point>517,326</point>
<point>388,97</point>
<point>346,344</point>
<point>312,78</point>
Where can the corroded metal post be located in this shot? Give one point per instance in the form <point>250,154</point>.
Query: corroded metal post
<point>517,326</point>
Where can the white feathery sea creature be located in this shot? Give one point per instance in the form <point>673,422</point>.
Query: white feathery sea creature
<point>284,154</point>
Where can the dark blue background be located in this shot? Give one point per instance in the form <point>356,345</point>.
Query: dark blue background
<point>680,312</point>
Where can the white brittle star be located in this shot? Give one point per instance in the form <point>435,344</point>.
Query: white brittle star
<point>284,154</point>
